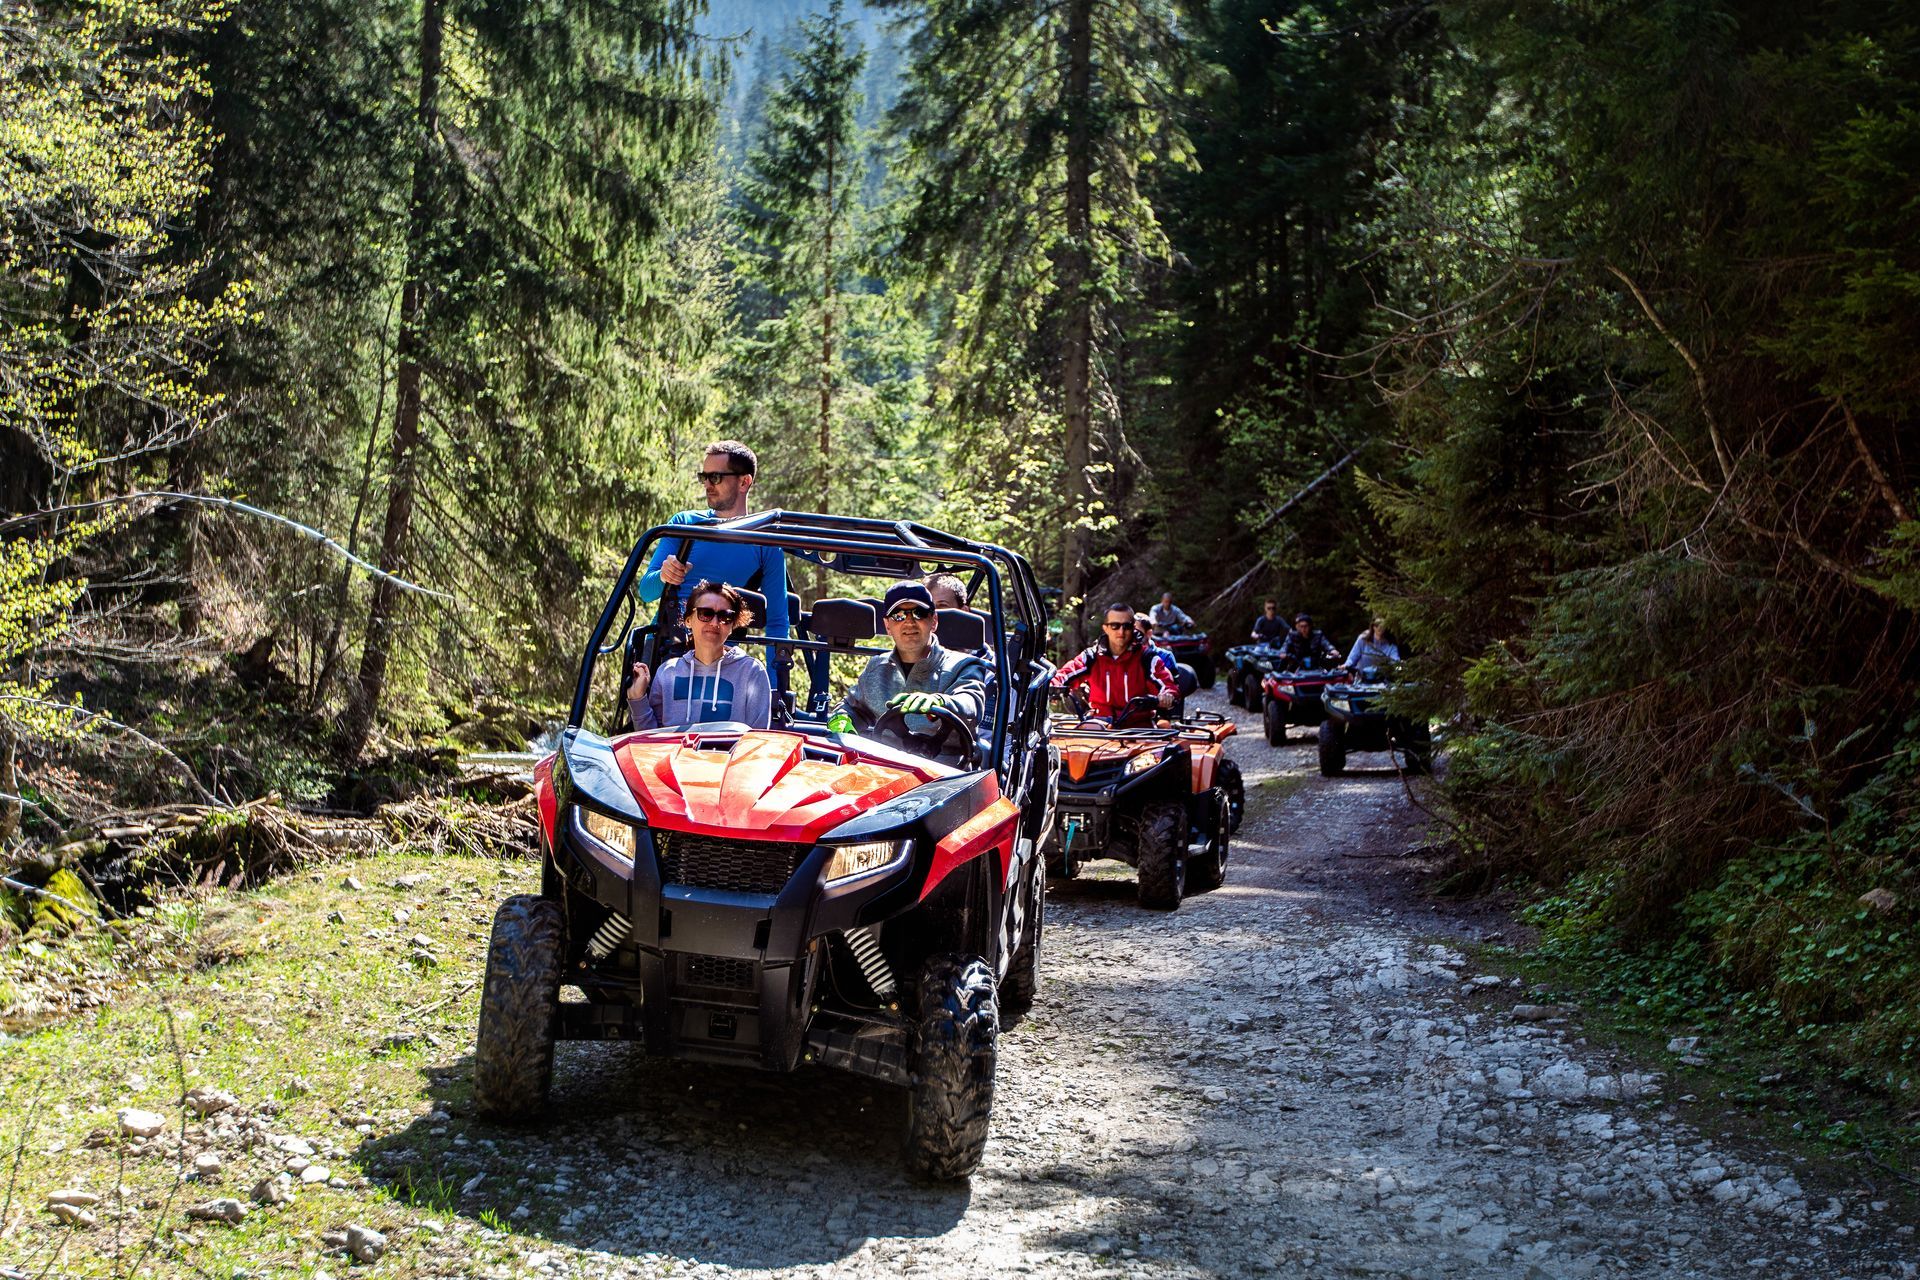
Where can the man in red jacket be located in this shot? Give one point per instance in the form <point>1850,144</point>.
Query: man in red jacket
<point>1120,668</point>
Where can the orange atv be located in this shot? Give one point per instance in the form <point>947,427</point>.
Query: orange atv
<point>1162,797</point>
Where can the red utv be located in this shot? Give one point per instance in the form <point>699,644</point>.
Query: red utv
<point>867,901</point>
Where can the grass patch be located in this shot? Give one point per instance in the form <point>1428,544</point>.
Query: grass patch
<point>339,1017</point>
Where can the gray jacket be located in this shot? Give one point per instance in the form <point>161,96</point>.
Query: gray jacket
<point>962,677</point>
<point>687,691</point>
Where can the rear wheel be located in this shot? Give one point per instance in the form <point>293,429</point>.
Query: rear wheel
<point>1209,871</point>
<point>1227,778</point>
<point>1022,986</point>
<point>1161,856</point>
<point>513,1054</point>
<point>955,1043</point>
<point>1333,749</point>
<point>1418,746</point>
<point>1274,718</point>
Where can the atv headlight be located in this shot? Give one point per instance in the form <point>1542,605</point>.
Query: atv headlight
<point>1338,701</point>
<point>1285,689</point>
<point>850,860</point>
<point>611,832</point>
<point>1143,762</point>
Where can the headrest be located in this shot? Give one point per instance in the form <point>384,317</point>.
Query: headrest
<point>961,630</point>
<point>878,609</point>
<point>842,621</point>
<point>793,608</point>
<point>756,602</point>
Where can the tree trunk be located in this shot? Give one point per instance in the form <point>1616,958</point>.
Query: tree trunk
<point>403,450</point>
<point>1076,266</point>
<point>826,346</point>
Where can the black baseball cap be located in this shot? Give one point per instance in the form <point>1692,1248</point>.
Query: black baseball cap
<point>902,592</point>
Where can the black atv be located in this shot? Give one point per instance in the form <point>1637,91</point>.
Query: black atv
<point>1248,665</point>
<point>1161,796</point>
<point>1358,720</point>
<point>867,901</point>
<point>1293,697</point>
<point>1189,648</point>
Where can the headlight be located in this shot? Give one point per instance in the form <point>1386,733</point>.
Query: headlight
<point>1338,700</point>
<point>1285,689</point>
<point>611,832</point>
<point>850,860</point>
<point>1143,762</point>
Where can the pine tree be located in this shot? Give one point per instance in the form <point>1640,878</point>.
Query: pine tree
<point>1029,130</point>
<point>546,159</point>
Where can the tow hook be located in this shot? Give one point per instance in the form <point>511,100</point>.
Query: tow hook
<point>1074,822</point>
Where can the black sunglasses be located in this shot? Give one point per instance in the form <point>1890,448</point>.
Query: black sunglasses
<point>715,477</point>
<point>906,611</point>
<point>1117,626</point>
<point>715,615</point>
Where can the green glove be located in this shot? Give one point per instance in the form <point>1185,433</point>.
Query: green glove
<point>918,702</point>
<point>840,723</point>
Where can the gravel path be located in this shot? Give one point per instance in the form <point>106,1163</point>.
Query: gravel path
<point>1283,1077</point>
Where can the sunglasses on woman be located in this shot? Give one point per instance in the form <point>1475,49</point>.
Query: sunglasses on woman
<point>715,615</point>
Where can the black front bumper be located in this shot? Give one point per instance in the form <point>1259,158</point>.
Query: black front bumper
<point>722,976</point>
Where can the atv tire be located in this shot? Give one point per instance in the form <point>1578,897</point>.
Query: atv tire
<point>1022,985</point>
<point>1204,670</point>
<point>1333,750</point>
<point>1274,719</point>
<point>513,1052</point>
<point>1251,693</point>
<point>1233,689</point>
<point>1209,871</point>
<point>955,1041</point>
<point>1227,778</point>
<point>1419,750</point>
<point>1161,856</point>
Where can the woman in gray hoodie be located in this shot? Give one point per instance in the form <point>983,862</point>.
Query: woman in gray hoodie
<point>712,681</point>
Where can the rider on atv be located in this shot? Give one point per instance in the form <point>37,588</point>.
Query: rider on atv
<point>1308,643</point>
<point>918,677</point>
<point>1122,667</point>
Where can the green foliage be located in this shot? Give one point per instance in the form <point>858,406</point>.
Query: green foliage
<point>1815,939</point>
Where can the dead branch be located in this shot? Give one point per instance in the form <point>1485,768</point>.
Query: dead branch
<point>1699,376</point>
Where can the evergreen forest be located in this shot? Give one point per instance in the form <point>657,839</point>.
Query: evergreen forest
<point>347,346</point>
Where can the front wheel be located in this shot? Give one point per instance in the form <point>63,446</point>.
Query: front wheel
<point>1251,693</point>
<point>1274,719</point>
<point>513,1053</point>
<point>1333,749</point>
<point>1161,856</point>
<point>1235,697</point>
<point>1203,669</point>
<point>955,1043</point>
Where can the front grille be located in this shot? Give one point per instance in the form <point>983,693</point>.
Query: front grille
<point>741,866</point>
<point>719,971</point>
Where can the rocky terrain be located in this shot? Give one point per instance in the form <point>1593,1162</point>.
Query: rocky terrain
<point>1302,1073</point>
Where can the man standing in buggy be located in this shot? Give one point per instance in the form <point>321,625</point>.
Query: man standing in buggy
<point>726,474</point>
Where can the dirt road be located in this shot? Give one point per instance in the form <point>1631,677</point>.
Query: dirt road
<point>1285,1076</point>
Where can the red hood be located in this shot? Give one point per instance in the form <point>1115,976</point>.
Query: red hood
<point>762,785</point>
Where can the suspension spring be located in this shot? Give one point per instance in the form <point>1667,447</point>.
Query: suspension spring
<point>608,936</point>
<point>873,964</point>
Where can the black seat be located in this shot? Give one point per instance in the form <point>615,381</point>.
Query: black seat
<point>757,603</point>
<point>961,630</point>
<point>796,620</point>
<point>879,611</point>
<point>842,623</point>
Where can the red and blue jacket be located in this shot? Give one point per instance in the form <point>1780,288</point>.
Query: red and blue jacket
<point>1111,681</point>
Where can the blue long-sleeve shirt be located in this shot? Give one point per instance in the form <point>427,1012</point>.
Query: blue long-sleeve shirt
<point>734,563</point>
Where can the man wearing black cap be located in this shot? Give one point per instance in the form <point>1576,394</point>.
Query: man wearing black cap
<point>918,675</point>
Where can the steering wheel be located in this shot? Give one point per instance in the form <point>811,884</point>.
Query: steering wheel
<point>952,725</point>
<point>1140,702</point>
<point>1072,696</point>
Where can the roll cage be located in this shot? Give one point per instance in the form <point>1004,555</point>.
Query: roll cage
<point>1015,610</point>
